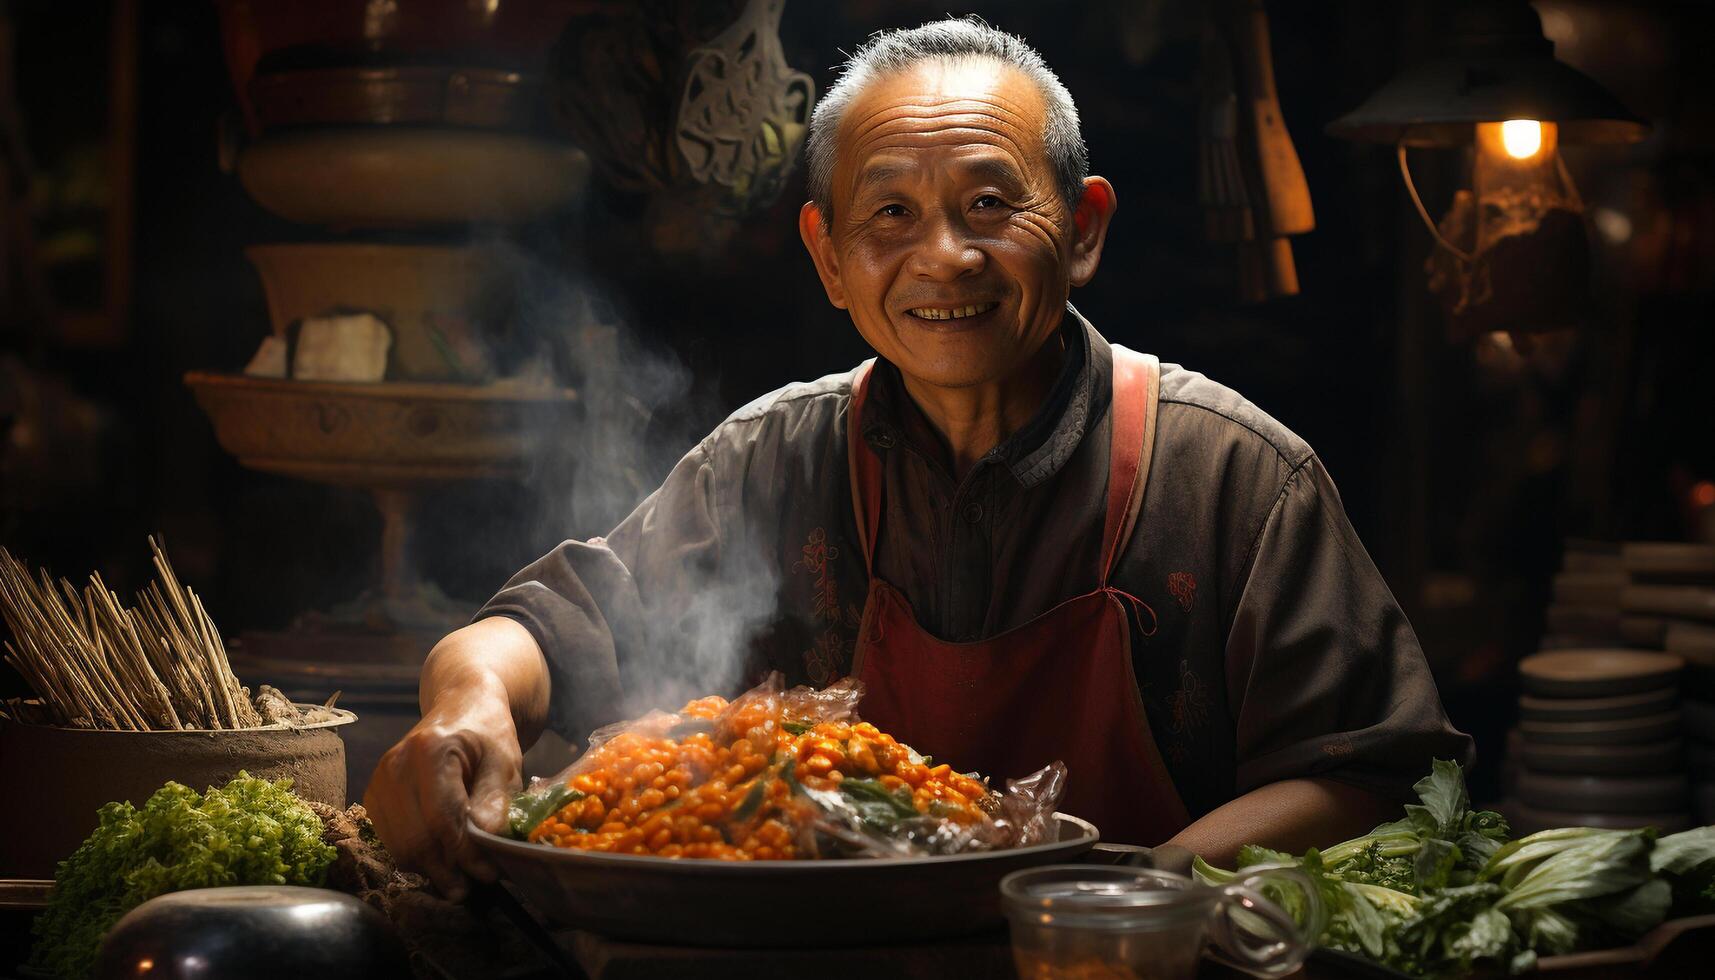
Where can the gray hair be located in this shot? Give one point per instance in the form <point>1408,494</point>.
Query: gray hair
<point>890,52</point>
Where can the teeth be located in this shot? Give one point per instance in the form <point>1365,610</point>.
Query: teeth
<point>935,313</point>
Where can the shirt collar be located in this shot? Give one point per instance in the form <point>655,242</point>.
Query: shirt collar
<point>1043,445</point>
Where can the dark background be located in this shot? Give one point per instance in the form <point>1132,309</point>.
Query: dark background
<point>1464,466</point>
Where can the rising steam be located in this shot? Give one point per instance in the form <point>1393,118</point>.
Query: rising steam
<point>639,418</point>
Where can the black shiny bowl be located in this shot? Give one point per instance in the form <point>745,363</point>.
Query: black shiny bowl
<point>692,902</point>
<point>265,932</point>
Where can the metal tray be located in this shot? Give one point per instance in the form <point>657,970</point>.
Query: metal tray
<point>867,902</point>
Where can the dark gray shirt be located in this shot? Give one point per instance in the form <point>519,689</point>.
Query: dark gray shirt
<point>1278,651</point>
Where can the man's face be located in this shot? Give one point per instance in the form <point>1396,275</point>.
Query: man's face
<point>950,244</point>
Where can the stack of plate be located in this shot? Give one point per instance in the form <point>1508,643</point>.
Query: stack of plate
<point>1695,644</point>
<point>1586,606</point>
<point>1667,584</point>
<point>1673,586</point>
<point>1599,741</point>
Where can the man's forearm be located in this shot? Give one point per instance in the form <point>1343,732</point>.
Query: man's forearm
<point>1293,816</point>
<point>494,654</point>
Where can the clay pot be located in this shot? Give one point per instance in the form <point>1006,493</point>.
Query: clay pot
<point>1662,793</point>
<point>433,298</point>
<point>1640,705</point>
<point>1527,819</point>
<point>60,777</point>
<point>376,675</point>
<point>396,434</point>
<point>419,95</point>
<point>411,177</point>
<point>264,37</point>
<point>1597,673</point>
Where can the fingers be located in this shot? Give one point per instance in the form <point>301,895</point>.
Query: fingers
<point>425,789</point>
<point>393,805</point>
<point>497,778</point>
<point>442,801</point>
<point>432,859</point>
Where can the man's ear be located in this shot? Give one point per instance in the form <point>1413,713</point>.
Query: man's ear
<point>1091,218</point>
<point>820,245</point>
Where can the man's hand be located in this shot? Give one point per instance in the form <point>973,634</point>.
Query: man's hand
<point>483,687</point>
<point>461,759</point>
<point>1292,816</point>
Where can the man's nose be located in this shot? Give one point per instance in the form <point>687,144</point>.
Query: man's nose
<point>948,252</point>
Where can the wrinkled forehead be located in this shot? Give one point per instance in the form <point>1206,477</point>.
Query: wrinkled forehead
<point>978,105</point>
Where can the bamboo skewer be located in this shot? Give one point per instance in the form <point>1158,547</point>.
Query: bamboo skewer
<point>138,678</point>
<point>96,663</point>
<point>121,626</point>
<point>51,616</point>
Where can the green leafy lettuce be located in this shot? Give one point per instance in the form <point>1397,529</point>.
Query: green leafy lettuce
<point>1687,861</point>
<point>1444,890</point>
<point>249,832</point>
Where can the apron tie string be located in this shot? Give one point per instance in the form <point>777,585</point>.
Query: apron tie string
<point>1136,608</point>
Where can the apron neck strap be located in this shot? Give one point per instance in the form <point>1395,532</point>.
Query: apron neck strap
<point>864,467</point>
<point>1136,390</point>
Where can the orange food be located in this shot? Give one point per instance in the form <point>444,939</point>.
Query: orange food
<point>736,792</point>
<point>1040,966</point>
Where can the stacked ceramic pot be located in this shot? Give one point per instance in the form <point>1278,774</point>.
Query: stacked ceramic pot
<point>400,137</point>
<point>1599,741</point>
<point>1585,609</point>
<point>1671,587</point>
<point>1647,596</point>
<point>413,130</point>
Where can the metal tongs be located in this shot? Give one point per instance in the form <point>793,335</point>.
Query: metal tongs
<point>1166,857</point>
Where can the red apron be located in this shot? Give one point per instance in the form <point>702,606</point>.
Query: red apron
<point>1058,687</point>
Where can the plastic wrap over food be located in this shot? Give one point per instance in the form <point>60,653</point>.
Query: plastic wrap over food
<point>776,774</point>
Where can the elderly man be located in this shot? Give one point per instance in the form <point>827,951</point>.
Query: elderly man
<point>1030,544</point>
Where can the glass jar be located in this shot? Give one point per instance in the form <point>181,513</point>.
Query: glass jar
<point>1083,922</point>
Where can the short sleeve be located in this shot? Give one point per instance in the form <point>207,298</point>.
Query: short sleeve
<point>603,610</point>
<point>1325,673</point>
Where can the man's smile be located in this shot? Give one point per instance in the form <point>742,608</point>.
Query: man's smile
<point>950,312</point>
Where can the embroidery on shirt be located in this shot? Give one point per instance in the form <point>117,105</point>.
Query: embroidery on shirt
<point>1187,711</point>
<point>822,661</point>
<point>828,656</point>
<point>1183,585</point>
<point>816,555</point>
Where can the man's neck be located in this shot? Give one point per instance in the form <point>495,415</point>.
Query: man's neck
<point>971,421</point>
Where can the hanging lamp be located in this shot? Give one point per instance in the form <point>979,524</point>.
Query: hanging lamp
<point>1512,251</point>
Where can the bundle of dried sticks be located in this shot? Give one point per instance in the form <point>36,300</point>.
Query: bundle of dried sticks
<point>98,664</point>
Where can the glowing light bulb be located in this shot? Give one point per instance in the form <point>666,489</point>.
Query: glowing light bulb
<point>1703,494</point>
<point>1521,137</point>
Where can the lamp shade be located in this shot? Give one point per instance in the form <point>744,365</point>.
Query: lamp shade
<point>1497,66</point>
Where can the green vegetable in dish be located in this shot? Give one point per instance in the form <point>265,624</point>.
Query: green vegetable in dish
<point>249,832</point>
<point>1444,890</point>
<point>752,801</point>
<point>528,809</point>
<point>878,807</point>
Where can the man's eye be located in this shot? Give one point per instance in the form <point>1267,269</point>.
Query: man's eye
<point>986,202</point>
<point>892,211</point>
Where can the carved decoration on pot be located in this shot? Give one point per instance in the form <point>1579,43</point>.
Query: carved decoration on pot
<point>690,102</point>
<point>744,112</point>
